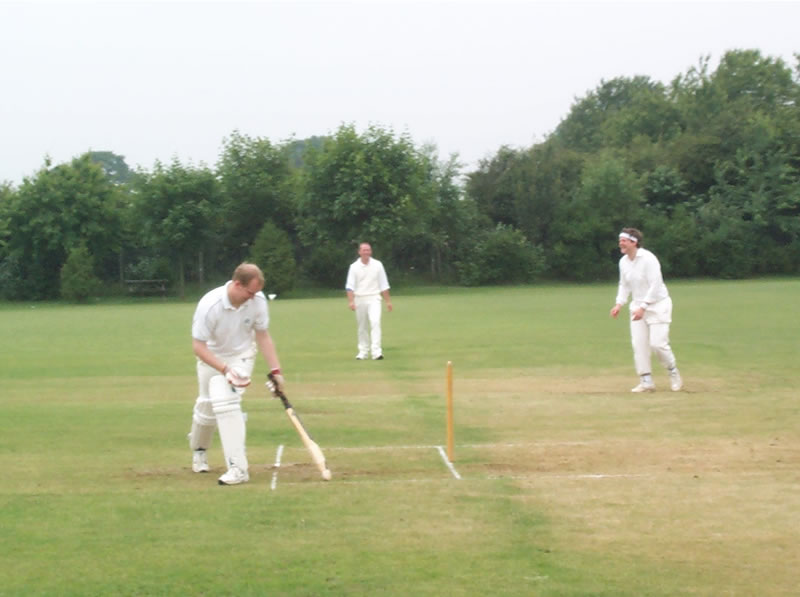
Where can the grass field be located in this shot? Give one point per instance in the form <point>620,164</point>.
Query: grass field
<point>570,485</point>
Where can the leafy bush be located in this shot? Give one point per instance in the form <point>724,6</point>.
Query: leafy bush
<point>78,281</point>
<point>149,268</point>
<point>272,251</point>
<point>502,256</point>
<point>327,264</point>
<point>12,284</point>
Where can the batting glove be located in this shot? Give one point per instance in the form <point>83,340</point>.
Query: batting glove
<point>237,377</point>
<point>275,382</point>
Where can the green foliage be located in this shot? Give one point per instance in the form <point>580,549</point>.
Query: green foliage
<point>272,251</point>
<point>708,167</point>
<point>256,185</point>
<point>149,268</point>
<point>609,197</point>
<point>327,263</point>
<point>12,282</point>
<point>61,208</point>
<point>177,208</point>
<point>114,166</point>
<point>78,281</point>
<point>501,256</point>
<point>373,186</point>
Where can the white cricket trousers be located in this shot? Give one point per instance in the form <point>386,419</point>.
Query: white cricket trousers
<point>368,318</point>
<point>651,334</point>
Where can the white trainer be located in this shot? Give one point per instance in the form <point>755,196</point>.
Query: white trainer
<point>200,462</point>
<point>644,387</point>
<point>675,381</point>
<point>234,476</point>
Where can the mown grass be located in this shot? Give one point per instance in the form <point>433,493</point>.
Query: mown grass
<point>570,484</point>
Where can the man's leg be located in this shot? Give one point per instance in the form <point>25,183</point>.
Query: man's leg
<point>362,320</point>
<point>374,313</point>
<point>227,404</point>
<point>659,343</point>
<point>640,340</point>
<point>203,421</point>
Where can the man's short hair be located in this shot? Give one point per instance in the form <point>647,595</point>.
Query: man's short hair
<point>245,272</point>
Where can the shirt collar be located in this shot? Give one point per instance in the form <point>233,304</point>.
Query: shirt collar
<point>226,300</point>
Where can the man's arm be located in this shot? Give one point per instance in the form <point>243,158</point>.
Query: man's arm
<point>203,352</point>
<point>267,348</point>
<point>388,299</point>
<point>351,301</point>
<point>654,278</point>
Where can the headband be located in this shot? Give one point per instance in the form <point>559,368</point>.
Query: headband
<point>629,237</point>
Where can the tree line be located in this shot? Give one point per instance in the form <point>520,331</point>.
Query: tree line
<point>708,167</point>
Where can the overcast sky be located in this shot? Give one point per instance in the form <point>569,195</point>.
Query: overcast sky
<point>157,80</point>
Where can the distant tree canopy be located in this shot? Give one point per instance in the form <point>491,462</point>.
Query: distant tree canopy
<point>707,166</point>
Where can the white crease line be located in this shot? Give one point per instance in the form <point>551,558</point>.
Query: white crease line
<point>428,447</point>
<point>572,476</point>
<point>448,463</point>
<point>278,455</point>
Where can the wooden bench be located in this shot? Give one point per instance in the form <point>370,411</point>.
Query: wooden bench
<point>147,286</point>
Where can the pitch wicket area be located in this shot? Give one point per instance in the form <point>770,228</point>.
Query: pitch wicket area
<point>607,459</point>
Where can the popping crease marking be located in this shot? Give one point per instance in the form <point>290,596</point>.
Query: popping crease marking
<point>447,463</point>
<point>277,465</point>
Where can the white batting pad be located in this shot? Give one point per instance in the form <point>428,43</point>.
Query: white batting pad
<point>226,403</point>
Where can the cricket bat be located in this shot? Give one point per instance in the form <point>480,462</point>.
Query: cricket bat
<point>313,448</point>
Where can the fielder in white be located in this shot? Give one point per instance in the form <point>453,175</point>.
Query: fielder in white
<point>651,310</point>
<point>366,284</point>
<point>230,325</point>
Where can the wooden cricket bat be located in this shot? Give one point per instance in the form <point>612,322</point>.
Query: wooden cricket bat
<point>313,448</point>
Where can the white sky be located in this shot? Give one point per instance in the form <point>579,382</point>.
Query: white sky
<point>157,80</point>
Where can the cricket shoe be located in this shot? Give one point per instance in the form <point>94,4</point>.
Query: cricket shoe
<point>644,387</point>
<point>378,358</point>
<point>200,461</point>
<point>361,357</point>
<point>675,381</point>
<point>234,476</point>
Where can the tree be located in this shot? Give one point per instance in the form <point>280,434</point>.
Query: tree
<point>617,111</point>
<point>113,165</point>
<point>501,256</point>
<point>272,251</point>
<point>609,198</point>
<point>374,186</point>
<point>176,209</point>
<point>256,186</point>
<point>59,209</point>
<point>492,186</point>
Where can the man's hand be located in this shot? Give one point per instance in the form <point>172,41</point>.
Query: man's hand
<point>237,377</point>
<point>275,383</point>
<point>615,311</point>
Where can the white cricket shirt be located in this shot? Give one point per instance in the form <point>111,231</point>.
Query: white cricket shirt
<point>641,277</point>
<point>228,330</point>
<point>366,279</point>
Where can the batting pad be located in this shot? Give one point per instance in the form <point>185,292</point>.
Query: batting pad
<point>227,407</point>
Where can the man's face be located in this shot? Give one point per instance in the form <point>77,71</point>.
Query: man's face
<point>626,244</point>
<point>365,252</point>
<point>244,292</point>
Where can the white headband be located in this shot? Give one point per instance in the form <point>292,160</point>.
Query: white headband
<point>629,237</point>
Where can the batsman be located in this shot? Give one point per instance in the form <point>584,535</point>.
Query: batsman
<point>230,325</point>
